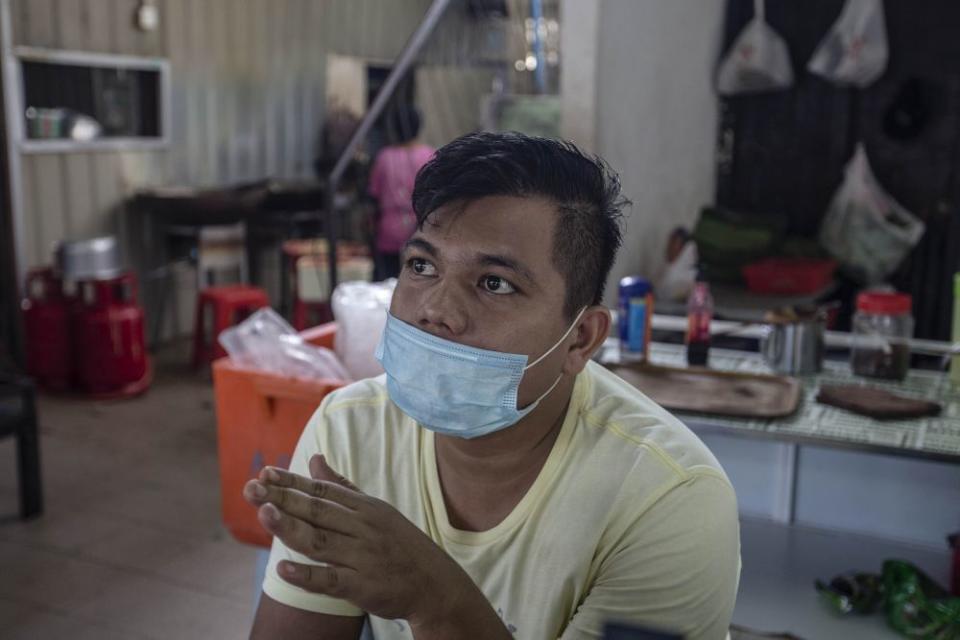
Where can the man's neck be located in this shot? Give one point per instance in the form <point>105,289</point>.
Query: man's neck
<point>504,463</point>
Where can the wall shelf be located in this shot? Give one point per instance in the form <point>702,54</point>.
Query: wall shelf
<point>102,145</point>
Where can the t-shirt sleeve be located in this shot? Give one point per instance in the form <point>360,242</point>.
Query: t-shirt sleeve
<point>676,568</point>
<point>312,441</point>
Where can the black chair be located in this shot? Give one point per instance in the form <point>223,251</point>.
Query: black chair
<point>18,417</point>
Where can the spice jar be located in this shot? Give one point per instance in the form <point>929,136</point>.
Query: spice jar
<point>882,326</point>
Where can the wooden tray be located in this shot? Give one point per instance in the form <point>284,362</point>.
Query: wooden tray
<point>726,393</point>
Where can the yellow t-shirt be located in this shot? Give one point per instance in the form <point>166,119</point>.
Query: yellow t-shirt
<point>630,519</point>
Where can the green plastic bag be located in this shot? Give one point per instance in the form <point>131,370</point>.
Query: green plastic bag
<point>915,606</point>
<point>728,240</point>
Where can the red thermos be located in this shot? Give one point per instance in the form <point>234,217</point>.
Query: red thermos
<point>46,325</point>
<point>109,332</point>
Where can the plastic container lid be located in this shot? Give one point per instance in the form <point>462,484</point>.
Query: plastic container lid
<point>632,286</point>
<point>890,304</point>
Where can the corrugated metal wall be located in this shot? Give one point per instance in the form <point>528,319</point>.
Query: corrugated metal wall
<point>75,195</point>
<point>247,96</point>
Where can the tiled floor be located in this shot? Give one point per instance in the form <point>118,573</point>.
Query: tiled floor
<point>130,544</point>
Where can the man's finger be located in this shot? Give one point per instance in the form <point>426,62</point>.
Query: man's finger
<point>315,511</point>
<point>316,488</point>
<point>317,544</point>
<point>320,469</point>
<point>339,582</point>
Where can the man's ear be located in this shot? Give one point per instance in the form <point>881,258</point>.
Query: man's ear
<point>591,331</point>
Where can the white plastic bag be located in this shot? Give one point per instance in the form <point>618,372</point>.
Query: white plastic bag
<point>360,309</point>
<point>854,52</point>
<point>266,342</point>
<point>678,277</point>
<point>758,61</point>
<point>865,229</point>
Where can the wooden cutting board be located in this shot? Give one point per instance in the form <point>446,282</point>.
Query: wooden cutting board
<point>876,403</point>
<point>726,393</point>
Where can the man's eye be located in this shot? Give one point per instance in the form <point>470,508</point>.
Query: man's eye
<point>421,267</point>
<point>496,284</point>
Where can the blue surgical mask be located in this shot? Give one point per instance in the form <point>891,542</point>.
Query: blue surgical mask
<point>451,388</point>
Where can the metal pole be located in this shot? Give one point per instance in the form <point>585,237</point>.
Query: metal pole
<point>400,67</point>
<point>536,13</point>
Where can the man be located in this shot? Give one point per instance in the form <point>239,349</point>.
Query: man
<point>496,483</point>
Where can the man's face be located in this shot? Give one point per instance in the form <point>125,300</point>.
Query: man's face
<point>482,275</point>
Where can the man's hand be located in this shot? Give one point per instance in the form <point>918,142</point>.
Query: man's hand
<point>375,557</point>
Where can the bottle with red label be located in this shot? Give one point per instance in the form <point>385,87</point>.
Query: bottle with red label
<point>699,315</point>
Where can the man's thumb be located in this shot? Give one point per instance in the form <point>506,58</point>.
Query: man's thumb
<point>321,470</point>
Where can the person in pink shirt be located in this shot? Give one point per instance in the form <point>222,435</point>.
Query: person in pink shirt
<point>391,185</point>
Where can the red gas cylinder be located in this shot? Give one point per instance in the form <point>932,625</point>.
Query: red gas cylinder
<point>111,353</point>
<point>46,324</point>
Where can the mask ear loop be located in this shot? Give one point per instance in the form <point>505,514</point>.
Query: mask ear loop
<point>536,402</point>
<point>557,344</point>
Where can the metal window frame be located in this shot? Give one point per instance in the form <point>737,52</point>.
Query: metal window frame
<point>23,54</point>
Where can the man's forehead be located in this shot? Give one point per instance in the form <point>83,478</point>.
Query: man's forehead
<point>501,217</point>
<point>510,231</point>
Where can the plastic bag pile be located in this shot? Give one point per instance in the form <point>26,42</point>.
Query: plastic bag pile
<point>267,342</point>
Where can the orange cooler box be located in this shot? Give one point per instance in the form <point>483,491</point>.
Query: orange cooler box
<point>260,417</point>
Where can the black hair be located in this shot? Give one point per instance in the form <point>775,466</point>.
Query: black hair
<point>583,187</point>
<point>403,123</point>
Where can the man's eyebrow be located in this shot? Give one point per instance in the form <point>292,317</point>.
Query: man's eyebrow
<point>485,259</point>
<point>494,260</point>
<point>423,245</point>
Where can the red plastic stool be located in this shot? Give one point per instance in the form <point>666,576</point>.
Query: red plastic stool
<point>308,313</point>
<point>229,305</point>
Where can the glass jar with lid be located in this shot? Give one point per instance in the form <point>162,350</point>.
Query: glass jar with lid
<point>882,326</point>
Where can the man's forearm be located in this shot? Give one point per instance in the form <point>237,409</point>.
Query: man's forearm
<point>471,618</point>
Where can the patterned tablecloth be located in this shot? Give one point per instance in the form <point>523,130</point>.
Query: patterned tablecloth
<point>815,423</point>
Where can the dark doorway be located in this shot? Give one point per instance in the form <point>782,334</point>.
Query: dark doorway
<point>406,92</point>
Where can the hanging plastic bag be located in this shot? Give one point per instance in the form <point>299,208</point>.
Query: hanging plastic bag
<point>758,61</point>
<point>865,229</point>
<point>360,309</point>
<point>854,52</point>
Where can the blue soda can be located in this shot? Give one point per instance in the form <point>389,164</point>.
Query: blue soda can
<point>635,317</point>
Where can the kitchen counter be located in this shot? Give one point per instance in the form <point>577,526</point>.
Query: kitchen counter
<point>936,438</point>
<point>783,556</point>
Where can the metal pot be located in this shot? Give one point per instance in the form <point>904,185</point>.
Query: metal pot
<point>96,259</point>
<point>795,348</point>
